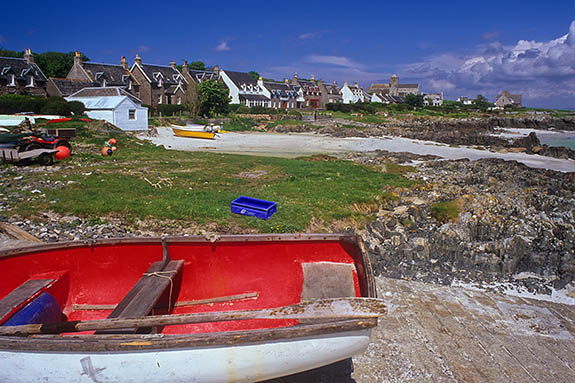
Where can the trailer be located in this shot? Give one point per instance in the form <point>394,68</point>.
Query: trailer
<point>42,156</point>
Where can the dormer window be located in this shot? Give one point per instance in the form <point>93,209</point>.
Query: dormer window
<point>30,81</point>
<point>11,80</point>
<point>160,83</point>
<point>103,82</point>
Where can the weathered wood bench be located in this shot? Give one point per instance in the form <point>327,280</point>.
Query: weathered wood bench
<point>146,293</point>
<point>22,295</point>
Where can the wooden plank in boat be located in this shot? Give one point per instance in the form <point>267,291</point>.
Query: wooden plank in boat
<point>20,295</point>
<point>142,298</point>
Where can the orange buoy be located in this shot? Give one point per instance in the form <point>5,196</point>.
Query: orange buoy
<point>106,151</point>
<point>63,152</point>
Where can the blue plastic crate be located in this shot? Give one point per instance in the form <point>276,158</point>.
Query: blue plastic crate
<point>253,207</point>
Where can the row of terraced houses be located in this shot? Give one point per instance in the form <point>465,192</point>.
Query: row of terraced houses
<point>153,85</point>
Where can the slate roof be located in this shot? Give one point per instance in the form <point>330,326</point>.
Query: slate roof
<point>408,85</point>
<point>20,69</point>
<point>68,86</point>
<point>104,92</point>
<point>280,89</point>
<point>115,75</point>
<point>167,74</point>
<point>203,75</point>
<point>385,97</point>
<point>253,97</point>
<point>240,78</point>
<point>332,89</point>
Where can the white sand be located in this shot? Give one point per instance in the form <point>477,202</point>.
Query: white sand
<point>299,144</point>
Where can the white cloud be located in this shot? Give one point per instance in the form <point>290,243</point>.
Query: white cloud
<point>223,46</point>
<point>538,69</point>
<point>333,60</point>
<point>307,36</point>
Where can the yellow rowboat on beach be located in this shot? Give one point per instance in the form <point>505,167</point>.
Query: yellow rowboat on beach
<point>193,133</point>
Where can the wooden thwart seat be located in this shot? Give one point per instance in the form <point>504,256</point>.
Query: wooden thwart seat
<point>146,293</point>
<point>21,295</point>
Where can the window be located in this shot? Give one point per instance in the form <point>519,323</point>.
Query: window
<point>132,114</point>
<point>30,81</point>
<point>179,100</point>
<point>159,99</point>
<point>11,80</point>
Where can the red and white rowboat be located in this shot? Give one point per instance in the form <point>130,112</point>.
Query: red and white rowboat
<point>241,308</point>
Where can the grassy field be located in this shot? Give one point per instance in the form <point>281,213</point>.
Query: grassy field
<point>198,187</point>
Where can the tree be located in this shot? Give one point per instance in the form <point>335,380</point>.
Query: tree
<point>52,64</point>
<point>415,100</point>
<point>482,102</point>
<point>213,98</point>
<point>197,65</point>
<point>254,74</point>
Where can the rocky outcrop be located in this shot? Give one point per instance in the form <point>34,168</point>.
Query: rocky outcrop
<point>512,219</point>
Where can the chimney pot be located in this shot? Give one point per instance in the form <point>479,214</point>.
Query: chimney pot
<point>124,63</point>
<point>216,68</point>
<point>173,64</point>
<point>138,59</point>
<point>28,56</point>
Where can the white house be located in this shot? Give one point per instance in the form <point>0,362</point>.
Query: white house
<point>352,94</point>
<point>465,100</point>
<point>115,105</point>
<point>433,99</point>
<point>244,89</point>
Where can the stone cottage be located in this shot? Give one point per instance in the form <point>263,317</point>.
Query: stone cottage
<point>102,75</point>
<point>282,95</point>
<point>311,92</point>
<point>330,93</point>
<point>22,76</point>
<point>159,84</point>
<point>505,98</point>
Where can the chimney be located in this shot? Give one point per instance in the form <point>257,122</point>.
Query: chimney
<point>356,84</point>
<point>261,81</point>
<point>28,57</point>
<point>312,78</point>
<point>77,58</point>
<point>185,69</point>
<point>173,64</point>
<point>335,83</point>
<point>138,59</point>
<point>216,68</point>
<point>345,83</point>
<point>286,81</point>
<point>294,81</point>
<point>124,63</point>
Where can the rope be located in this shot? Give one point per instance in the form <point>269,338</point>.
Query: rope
<point>169,278</point>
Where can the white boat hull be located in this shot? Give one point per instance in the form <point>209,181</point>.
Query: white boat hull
<point>240,363</point>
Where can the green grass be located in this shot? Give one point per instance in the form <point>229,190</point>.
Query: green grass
<point>445,211</point>
<point>238,124</point>
<point>202,185</point>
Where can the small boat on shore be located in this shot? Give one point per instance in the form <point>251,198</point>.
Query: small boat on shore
<point>189,133</point>
<point>241,308</point>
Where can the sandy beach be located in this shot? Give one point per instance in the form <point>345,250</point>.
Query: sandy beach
<point>301,144</point>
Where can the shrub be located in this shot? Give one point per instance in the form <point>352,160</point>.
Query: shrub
<point>445,211</point>
<point>15,103</point>
<point>295,113</point>
<point>56,105</point>
<point>77,107</point>
<point>170,109</point>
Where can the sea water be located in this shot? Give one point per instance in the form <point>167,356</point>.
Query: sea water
<point>567,139</point>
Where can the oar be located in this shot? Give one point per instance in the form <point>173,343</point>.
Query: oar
<point>335,309</point>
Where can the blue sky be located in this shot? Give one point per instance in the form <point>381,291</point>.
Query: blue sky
<point>459,47</point>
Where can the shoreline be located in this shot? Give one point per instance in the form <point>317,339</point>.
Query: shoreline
<point>302,144</point>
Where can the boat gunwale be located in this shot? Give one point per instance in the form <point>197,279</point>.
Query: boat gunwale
<point>125,343</point>
<point>160,341</point>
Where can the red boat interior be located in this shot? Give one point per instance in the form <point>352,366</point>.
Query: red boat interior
<point>99,281</point>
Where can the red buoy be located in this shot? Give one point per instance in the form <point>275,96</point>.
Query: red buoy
<point>63,152</point>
